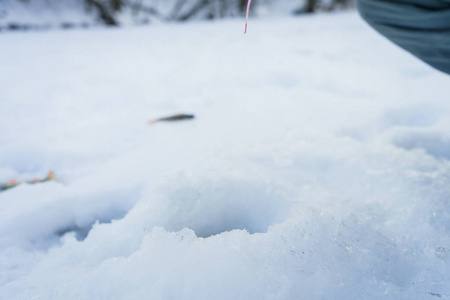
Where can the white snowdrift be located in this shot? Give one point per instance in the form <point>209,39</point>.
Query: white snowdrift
<point>317,166</point>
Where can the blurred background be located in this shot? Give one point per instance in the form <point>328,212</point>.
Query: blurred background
<point>41,14</point>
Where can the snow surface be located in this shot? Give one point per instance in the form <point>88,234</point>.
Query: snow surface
<point>317,167</point>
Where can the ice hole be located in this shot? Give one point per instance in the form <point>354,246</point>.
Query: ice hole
<point>213,207</point>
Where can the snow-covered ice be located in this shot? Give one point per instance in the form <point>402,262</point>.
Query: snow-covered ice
<point>317,167</point>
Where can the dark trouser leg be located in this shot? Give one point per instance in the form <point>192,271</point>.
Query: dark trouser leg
<point>421,27</point>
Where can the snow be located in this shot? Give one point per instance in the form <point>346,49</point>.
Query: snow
<point>317,166</point>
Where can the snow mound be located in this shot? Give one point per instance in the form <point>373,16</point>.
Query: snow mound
<point>316,166</point>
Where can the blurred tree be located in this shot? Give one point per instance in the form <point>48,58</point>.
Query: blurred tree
<point>308,7</point>
<point>116,5</point>
<point>243,5</point>
<point>199,6</point>
<point>311,6</point>
<point>110,12</point>
<point>184,10</point>
<point>104,10</point>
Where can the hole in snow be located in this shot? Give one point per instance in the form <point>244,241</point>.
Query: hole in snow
<point>55,216</point>
<point>82,231</point>
<point>216,206</point>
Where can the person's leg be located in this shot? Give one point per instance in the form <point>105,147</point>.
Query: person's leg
<point>421,27</point>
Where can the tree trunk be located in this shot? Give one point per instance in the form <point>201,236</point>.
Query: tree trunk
<point>103,12</point>
<point>243,5</point>
<point>308,8</point>
<point>201,4</point>
<point>116,5</point>
<point>223,8</point>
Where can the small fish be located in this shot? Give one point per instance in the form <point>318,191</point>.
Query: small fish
<point>173,118</point>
